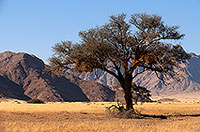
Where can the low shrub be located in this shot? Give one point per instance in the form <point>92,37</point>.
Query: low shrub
<point>35,101</point>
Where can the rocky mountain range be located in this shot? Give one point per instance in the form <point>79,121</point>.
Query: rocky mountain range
<point>22,77</point>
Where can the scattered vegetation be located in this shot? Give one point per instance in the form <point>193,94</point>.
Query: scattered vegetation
<point>17,102</point>
<point>120,111</point>
<point>83,112</point>
<point>35,101</point>
<point>141,94</point>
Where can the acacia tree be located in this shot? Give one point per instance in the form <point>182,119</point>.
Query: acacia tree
<point>120,47</point>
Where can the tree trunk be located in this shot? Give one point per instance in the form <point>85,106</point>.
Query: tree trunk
<point>126,84</point>
<point>128,99</point>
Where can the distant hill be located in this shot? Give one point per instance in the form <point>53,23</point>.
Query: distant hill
<point>22,77</point>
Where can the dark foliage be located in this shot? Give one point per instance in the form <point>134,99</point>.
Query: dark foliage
<point>141,94</point>
<point>35,101</point>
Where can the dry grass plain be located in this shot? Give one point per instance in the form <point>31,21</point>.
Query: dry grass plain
<point>18,116</point>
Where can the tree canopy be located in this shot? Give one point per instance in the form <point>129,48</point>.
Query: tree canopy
<point>120,47</point>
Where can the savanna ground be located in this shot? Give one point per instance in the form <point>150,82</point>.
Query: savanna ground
<point>18,116</point>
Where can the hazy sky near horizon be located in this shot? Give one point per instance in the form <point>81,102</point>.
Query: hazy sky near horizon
<point>34,26</point>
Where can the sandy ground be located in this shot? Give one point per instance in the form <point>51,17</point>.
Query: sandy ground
<point>17,116</point>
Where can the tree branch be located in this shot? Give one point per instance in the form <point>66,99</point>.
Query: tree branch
<point>138,73</point>
<point>109,71</point>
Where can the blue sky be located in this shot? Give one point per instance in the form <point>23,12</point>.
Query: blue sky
<point>34,26</point>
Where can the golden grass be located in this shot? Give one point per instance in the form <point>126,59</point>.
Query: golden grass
<point>91,117</point>
<point>55,107</point>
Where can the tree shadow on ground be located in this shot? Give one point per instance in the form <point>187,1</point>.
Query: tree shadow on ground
<point>119,111</point>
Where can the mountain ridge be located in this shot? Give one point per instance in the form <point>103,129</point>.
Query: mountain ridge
<point>25,71</point>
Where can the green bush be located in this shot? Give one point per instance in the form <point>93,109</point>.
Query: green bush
<point>35,101</point>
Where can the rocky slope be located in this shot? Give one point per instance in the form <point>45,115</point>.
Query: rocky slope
<point>11,90</point>
<point>22,77</point>
<point>93,90</point>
